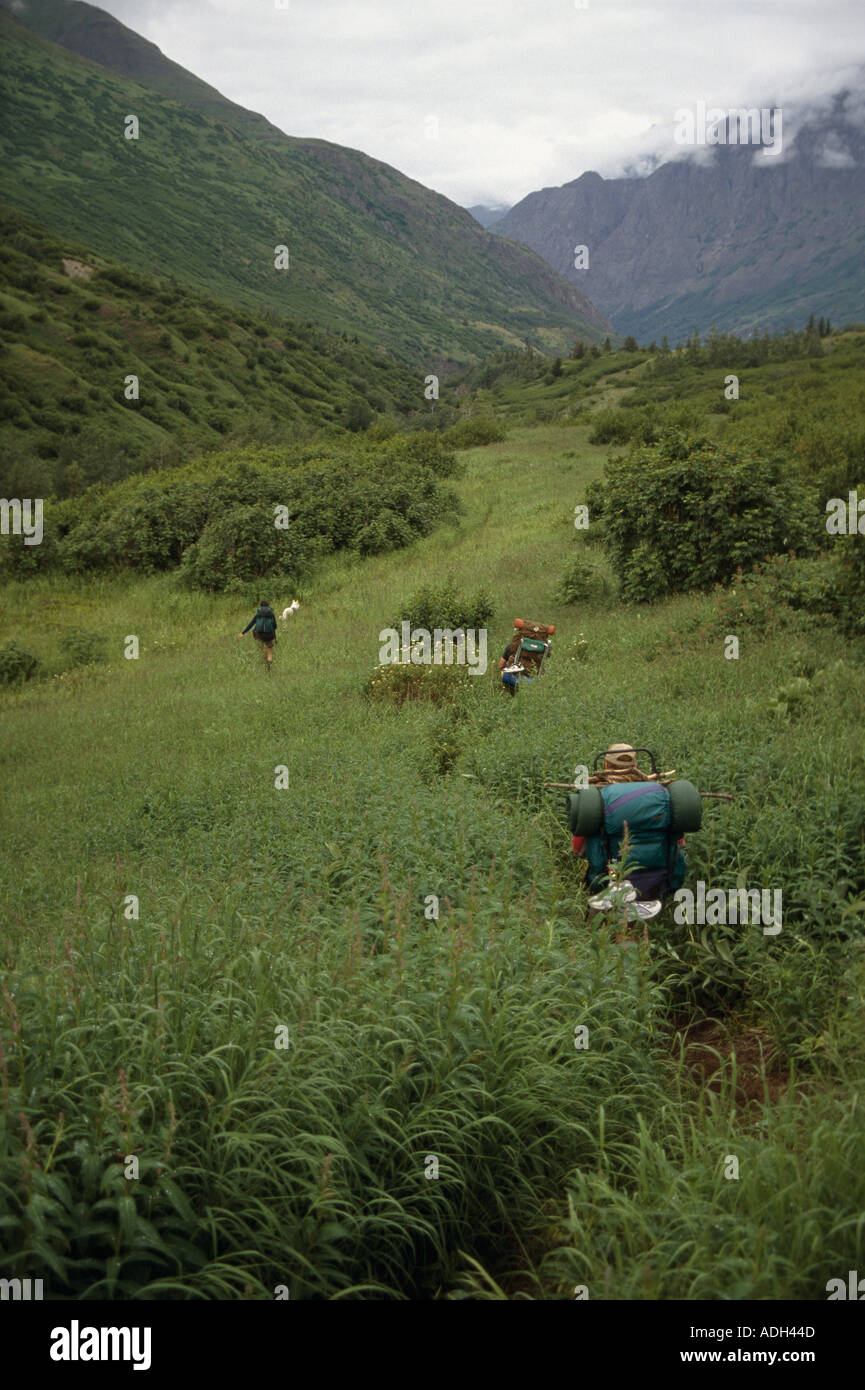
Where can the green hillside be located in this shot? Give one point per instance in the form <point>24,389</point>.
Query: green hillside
<point>209,199</point>
<point>74,325</point>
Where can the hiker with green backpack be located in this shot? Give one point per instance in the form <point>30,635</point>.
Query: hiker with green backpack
<point>263,623</point>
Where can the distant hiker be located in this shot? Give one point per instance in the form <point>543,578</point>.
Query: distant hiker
<point>525,655</point>
<point>263,623</point>
<point>629,796</point>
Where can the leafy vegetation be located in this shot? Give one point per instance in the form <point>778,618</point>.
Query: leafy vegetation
<point>267,512</point>
<point>208,376</point>
<point>443,606</point>
<point>334,1023</point>
<point>687,512</point>
<point>467,434</point>
<point>16,664</point>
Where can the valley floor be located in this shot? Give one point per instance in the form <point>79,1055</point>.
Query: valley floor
<point>325,1086</point>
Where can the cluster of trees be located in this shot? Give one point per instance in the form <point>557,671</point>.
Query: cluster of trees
<point>720,349</point>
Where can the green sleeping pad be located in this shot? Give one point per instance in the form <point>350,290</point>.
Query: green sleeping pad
<point>686,807</point>
<point>585,811</point>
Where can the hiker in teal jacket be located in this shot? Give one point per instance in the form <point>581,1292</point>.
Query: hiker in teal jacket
<point>656,853</point>
<point>660,856</point>
<point>263,623</point>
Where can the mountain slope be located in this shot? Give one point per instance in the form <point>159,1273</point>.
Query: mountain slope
<point>75,326</point>
<point>209,200</point>
<point>741,246</point>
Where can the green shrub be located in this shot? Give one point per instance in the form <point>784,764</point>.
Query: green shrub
<point>358,416</point>
<point>387,531</point>
<point>83,648</point>
<point>610,427</point>
<point>369,496</point>
<point>582,580</point>
<point>444,607</point>
<point>16,664</point>
<point>686,513</point>
<point>467,434</point>
<point>785,591</point>
<point>240,543</point>
<point>399,682</point>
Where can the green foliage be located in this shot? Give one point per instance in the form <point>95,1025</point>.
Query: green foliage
<point>358,416</point>
<point>62,397</point>
<point>467,434</point>
<point>16,664</point>
<point>443,606</point>
<point>582,581</point>
<point>786,591</point>
<point>83,648</point>
<point>685,513</point>
<point>610,427</point>
<point>398,682</point>
<point>409,1035</point>
<point>241,543</point>
<point>215,520</point>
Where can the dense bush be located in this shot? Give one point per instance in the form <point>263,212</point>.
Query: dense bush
<point>466,434</point>
<point>443,606</point>
<point>83,648</point>
<point>358,415</point>
<point>781,593</point>
<point>240,543</point>
<point>685,513</point>
<point>216,519</point>
<point>610,427</point>
<point>16,664</point>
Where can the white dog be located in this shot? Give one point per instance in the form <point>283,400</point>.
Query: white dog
<point>292,608</point>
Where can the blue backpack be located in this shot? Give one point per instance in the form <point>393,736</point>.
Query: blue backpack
<point>646,808</point>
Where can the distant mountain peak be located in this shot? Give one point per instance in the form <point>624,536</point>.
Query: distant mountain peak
<point>724,239</point>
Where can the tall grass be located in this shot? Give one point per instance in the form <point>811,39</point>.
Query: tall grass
<point>412,1037</point>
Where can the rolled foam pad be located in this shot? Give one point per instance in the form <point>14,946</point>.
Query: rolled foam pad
<point>585,811</point>
<point>686,807</point>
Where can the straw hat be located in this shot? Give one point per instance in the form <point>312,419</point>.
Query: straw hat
<point>620,757</point>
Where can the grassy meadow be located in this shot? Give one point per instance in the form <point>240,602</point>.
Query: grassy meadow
<point>329,1090</point>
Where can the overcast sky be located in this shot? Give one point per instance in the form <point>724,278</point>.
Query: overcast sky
<point>487,100</point>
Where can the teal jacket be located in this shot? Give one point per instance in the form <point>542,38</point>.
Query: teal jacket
<point>659,859</point>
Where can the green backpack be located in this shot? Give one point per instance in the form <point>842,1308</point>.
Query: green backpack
<point>265,623</point>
